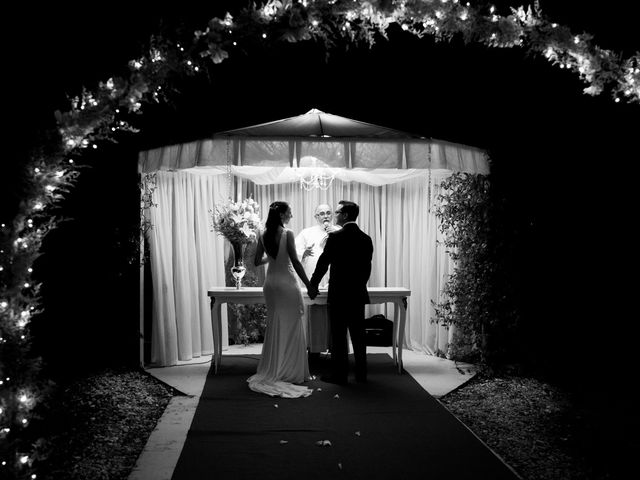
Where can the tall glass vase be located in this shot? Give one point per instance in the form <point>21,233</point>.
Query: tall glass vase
<point>238,269</point>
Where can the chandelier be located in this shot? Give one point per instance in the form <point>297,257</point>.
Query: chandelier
<point>314,177</point>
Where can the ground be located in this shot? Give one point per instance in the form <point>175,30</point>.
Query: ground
<point>103,422</point>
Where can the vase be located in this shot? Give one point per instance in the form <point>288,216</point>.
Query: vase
<point>238,269</point>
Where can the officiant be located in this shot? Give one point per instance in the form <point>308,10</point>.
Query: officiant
<point>310,243</point>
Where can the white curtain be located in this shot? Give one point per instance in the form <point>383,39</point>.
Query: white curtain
<point>187,257</point>
<point>405,235</point>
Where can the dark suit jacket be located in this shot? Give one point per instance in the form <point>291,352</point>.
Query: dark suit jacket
<point>348,251</point>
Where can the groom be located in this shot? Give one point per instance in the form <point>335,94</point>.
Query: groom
<point>348,251</point>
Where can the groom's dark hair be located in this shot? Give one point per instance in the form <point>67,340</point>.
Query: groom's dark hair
<point>350,208</point>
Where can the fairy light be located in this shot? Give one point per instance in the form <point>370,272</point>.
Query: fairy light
<point>24,459</point>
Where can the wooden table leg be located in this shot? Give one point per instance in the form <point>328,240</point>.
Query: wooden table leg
<point>394,334</point>
<point>216,326</point>
<point>403,320</point>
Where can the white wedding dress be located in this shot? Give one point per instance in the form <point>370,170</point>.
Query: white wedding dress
<point>284,360</point>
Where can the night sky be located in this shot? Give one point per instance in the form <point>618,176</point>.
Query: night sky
<point>566,163</point>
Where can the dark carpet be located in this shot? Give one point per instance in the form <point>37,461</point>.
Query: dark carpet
<point>387,428</point>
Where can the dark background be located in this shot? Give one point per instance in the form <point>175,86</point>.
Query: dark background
<point>567,163</point>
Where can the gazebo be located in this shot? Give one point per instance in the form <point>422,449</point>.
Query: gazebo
<point>305,160</point>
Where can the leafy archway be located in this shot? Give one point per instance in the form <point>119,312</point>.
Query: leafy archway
<point>99,115</point>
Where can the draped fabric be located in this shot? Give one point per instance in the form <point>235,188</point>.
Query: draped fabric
<point>400,220</point>
<point>187,257</point>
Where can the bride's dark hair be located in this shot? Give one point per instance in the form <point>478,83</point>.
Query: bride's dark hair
<point>271,227</point>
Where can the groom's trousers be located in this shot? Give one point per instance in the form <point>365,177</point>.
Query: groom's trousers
<point>343,317</point>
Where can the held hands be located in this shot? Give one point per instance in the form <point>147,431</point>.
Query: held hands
<point>308,252</point>
<point>312,292</point>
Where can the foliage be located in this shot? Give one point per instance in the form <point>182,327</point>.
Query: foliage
<point>479,297</point>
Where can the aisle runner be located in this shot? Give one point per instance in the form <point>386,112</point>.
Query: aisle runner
<point>387,428</point>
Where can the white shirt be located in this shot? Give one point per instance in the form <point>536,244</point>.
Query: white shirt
<point>316,236</point>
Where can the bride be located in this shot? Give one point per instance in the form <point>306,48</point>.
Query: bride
<point>284,359</point>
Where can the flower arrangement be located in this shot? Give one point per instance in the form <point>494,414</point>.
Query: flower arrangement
<point>238,222</point>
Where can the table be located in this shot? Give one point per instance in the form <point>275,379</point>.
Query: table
<point>250,295</point>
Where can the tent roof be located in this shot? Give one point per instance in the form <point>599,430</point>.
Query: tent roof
<point>317,138</point>
<point>316,123</point>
